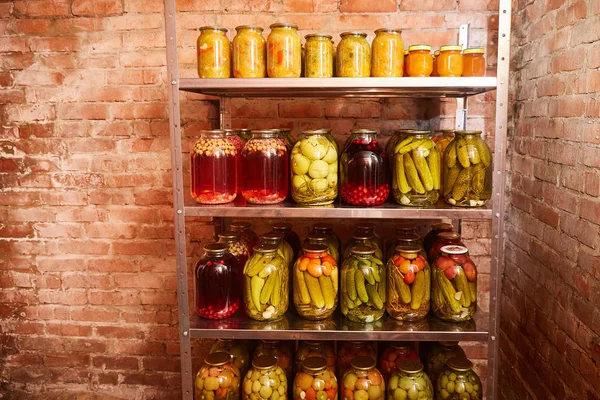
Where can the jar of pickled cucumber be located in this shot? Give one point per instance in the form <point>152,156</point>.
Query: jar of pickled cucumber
<point>458,381</point>
<point>442,139</point>
<point>444,239</point>
<point>236,246</point>
<point>314,166</point>
<point>409,284</point>
<point>393,355</point>
<point>474,62</point>
<point>363,238</point>
<point>353,55</point>
<point>352,349</point>
<point>363,286</point>
<point>420,60</point>
<point>218,379</point>
<point>278,239</point>
<point>315,348</point>
<point>409,382</point>
<point>278,349</point>
<point>454,285</point>
<point>436,355</point>
<point>237,350</point>
<point>284,51</point>
<point>249,52</point>
<point>264,379</point>
<point>315,381</point>
<point>214,53</point>
<point>387,57</point>
<point>363,381</point>
<point>289,236</point>
<point>319,238</point>
<point>368,228</point>
<point>431,236</point>
<point>450,61</point>
<point>247,235</point>
<point>333,240</point>
<point>319,56</point>
<point>467,170</point>
<point>266,284</point>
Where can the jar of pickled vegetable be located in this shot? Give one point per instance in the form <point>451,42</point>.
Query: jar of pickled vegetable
<point>333,240</point>
<point>319,56</point>
<point>407,227</point>
<point>387,53</point>
<point>214,53</point>
<point>444,239</point>
<point>353,55</point>
<point>431,236</point>
<point>283,247</point>
<point>416,173</point>
<point>351,349</point>
<point>284,51</point>
<point>214,169</point>
<point>406,239</point>
<point>363,286</point>
<point>289,236</point>
<point>237,350</point>
<point>406,60</point>
<point>363,238</point>
<point>409,284</point>
<point>319,238</point>
<point>436,356</point>
<point>286,135</point>
<point>314,348</point>
<point>364,175</point>
<point>393,355</point>
<point>265,168</point>
<point>218,379</point>
<point>218,278</point>
<point>314,165</point>
<point>436,54</point>
<point>368,228</point>
<point>393,141</point>
<point>363,381</point>
<point>244,133</point>
<point>450,61</point>
<point>315,381</point>
<point>236,246</point>
<point>458,381</point>
<point>454,285</point>
<point>279,350</point>
<point>420,60</point>
<point>474,62</point>
<point>442,139</point>
<point>247,235</point>
<point>467,170</point>
<point>264,379</point>
<point>249,52</point>
<point>266,284</point>
<point>410,382</point>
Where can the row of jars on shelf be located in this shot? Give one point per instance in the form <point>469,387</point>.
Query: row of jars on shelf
<point>456,165</point>
<point>404,372</point>
<point>282,55</point>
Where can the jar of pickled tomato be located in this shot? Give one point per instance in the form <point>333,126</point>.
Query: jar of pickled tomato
<point>474,62</point>
<point>218,379</point>
<point>214,53</point>
<point>353,55</point>
<point>444,239</point>
<point>247,235</point>
<point>315,381</point>
<point>351,349</point>
<point>319,56</point>
<point>289,236</point>
<point>284,51</point>
<point>420,60</point>
<point>362,381</point>
<point>387,58</point>
<point>236,246</point>
<point>450,61</point>
<point>315,348</point>
<point>323,239</point>
<point>249,52</point>
<point>237,350</point>
<point>436,54</point>
<point>393,355</point>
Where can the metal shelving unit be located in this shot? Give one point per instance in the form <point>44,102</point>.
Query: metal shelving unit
<point>484,328</point>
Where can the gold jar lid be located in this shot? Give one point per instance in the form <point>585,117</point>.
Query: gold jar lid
<point>264,362</point>
<point>283,25</point>
<point>317,132</point>
<point>314,248</point>
<point>406,248</point>
<point>474,50</point>
<point>419,47</point>
<point>467,132</point>
<point>389,30</point>
<point>442,226</point>
<point>323,227</point>
<point>266,248</point>
<point>405,53</point>
<point>229,235</point>
<point>272,236</point>
<point>414,132</point>
<point>408,237</point>
<point>213,28</point>
<point>313,342</point>
<point>216,248</point>
<point>452,47</point>
<point>367,226</point>
<point>459,364</point>
<point>282,226</point>
<point>436,53</point>
<point>444,131</point>
<point>401,345</point>
<point>363,235</point>
<point>217,359</point>
<point>449,235</point>
<point>241,27</point>
<point>403,131</point>
<point>318,36</point>
<point>318,236</point>
<point>240,225</point>
<point>363,131</point>
<point>363,363</point>
<point>243,130</point>
<point>314,364</point>
<point>361,34</point>
<point>362,250</point>
<point>410,366</point>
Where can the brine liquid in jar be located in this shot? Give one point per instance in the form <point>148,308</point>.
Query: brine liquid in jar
<point>214,53</point>
<point>249,52</point>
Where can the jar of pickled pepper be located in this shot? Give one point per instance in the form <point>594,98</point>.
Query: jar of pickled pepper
<point>284,51</point>
<point>237,350</point>
<point>474,62</point>
<point>214,53</point>
<point>247,235</point>
<point>420,60</point>
<point>315,348</point>
<point>436,355</point>
<point>444,239</point>
<point>353,55</point>
<point>264,379</point>
<point>458,381</point>
<point>436,54</point>
<point>393,355</point>
<point>450,61</point>
<point>289,236</point>
<point>279,350</point>
<point>315,381</point>
<point>218,379</point>
<point>387,51</point>
<point>236,246</point>
<point>363,381</point>
<point>333,241</point>
<point>431,236</point>
<point>249,52</point>
<point>352,349</point>
<point>410,382</point>
<point>319,56</point>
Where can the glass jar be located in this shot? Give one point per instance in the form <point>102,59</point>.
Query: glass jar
<point>458,381</point>
<point>284,51</point>
<point>314,165</point>
<point>436,356</point>
<point>278,239</point>
<point>442,139</point>
<point>369,229</point>
<point>364,176</point>
<point>333,239</point>
<point>409,284</point>
<point>393,355</point>
<point>214,53</point>
<point>237,141</point>
<point>351,349</point>
<point>353,55</point>
<point>213,169</point>
<point>363,381</point>
<point>286,134</point>
<point>264,379</point>
<point>315,283</point>
<point>410,382</point>
<point>406,60</point>
<point>289,236</point>
<point>474,62</point>
<point>387,53</point>
<point>319,56</point>
<point>363,286</point>
<point>236,246</point>
<point>265,168</point>
<point>315,348</point>
<point>244,133</point>
<point>420,60</point>
<point>218,379</point>
<point>393,141</point>
<point>431,236</point>
<point>467,170</point>
<point>444,239</point>
<point>279,350</point>
<point>450,61</point>
<point>266,284</point>
<point>406,239</point>
<point>218,282</point>
<point>249,52</point>
<point>363,238</point>
<point>319,238</point>
<point>454,285</point>
<point>315,381</point>
<point>416,173</point>
<point>436,54</point>
<point>247,235</point>
<point>237,350</point>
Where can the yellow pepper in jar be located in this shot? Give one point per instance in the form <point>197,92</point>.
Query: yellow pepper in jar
<point>249,52</point>
<point>387,57</point>
<point>214,53</point>
<point>284,51</point>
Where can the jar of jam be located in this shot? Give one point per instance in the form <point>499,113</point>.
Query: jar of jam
<point>436,54</point>
<point>474,62</point>
<point>450,61</point>
<point>249,52</point>
<point>410,382</point>
<point>458,381</point>
<point>436,355</point>
<point>218,282</point>
<point>214,169</point>
<point>247,235</point>
<point>278,239</point>
<point>333,242</point>
<point>394,354</point>
<point>431,236</point>
<point>236,246</point>
<point>318,238</point>
<point>420,60</point>
<point>351,349</point>
<point>353,55</point>
<point>315,348</point>
<point>284,51</point>
<point>444,239</point>
<point>289,236</point>
<point>363,381</point>
<point>319,56</point>
<point>279,350</point>
<point>387,53</point>
<point>406,60</point>
<point>214,53</point>
<point>363,238</point>
<point>237,350</point>
<point>218,379</point>
<point>265,168</point>
<point>364,176</point>
<point>264,379</point>
<point>315,381</point>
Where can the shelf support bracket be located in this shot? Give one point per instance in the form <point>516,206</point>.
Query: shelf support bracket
<point>225,113</point>
<point>464,35</point>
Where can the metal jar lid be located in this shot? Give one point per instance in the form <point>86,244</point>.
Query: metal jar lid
<point>440,226</point>
<point>239,28</point>
<point>459,364</point>
<point>266,248</point>
<point>344,34</point>
<point>231,235</point>
<point>318,36</point>
<point>264,362</point>
<point>323,227</point>
<point>314,364</point>
<point>410,366</point>
<point>408,249</point>
<point>389,30</point>
<point>217,359</point>
<point>419,47</point>
<point>216,248</point>
<point>213,28</point>
<point>282,226</point>
<point>363,363</point>
<point>314,248</point>
<point>401,345</point>
<point>449,235</point>
<point>451,47</point>
<point>241,225</point>
<point>363,132</point>
<point>283,25</point>
<point>362,250</point>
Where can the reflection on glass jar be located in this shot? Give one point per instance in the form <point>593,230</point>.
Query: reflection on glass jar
<point>459,381</point>
<point>264,379</point>
<point>387,53</point>
<point>474,62</point>
<point>214,53</point>
<point>249,52</point>
<point>315,381</point>
<point>450,61</point>
<point>420,60</point>
<point>218,379</point>
<point>237,350</point>
<point>363,381</point>
<point>284,51</point>
<point>319,56</point>
<point>410,382</point>
<point>353,55</point>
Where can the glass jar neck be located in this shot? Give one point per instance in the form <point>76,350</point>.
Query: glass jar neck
<point>364,137</point>
<point>275,241</point>
<point>216,134</point>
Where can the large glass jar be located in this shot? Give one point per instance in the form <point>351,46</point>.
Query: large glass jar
<point>364,176</point>
<point>420,60</point>
<point>393,355</point>
<point>237,350</point>
<point>363,238</point>
<point>283,247</point>
<point>284,51</point>
<point>409,284</point>
<point>363,286</point>
<point>218,379</point>
<point>320,238</point>
<point>279,350</point>
<point>442,139</point>
<point>458,381</point>
<point>289,236</point>
<point>319,56</point>
<point>454,285</point>
<point>444,239</point>
<point>247,235</point>
<point>431,236</point>
<point>353,55</point>
<point>363,381</point>
<point>315,381</point>
<point>265,168</point>
<point>314,348</point>
<point>214,53</point>
<point>218,282</point>
<point>416,172</point>
<point>214,177</point>
<point>467,170</point>
<point>266,284</point>
<point>249,52</point>
<point>436,355</point>
<point>410,382</point>
<point>314,165</point>
<point>352,349</point>
<point>474,62</point>
<point>236,246</point>
<point>450,61</point>
<point>368,228</point>
<point>334,240</point>
<point>406,239</point>
<point>387,53</point>
<point>264,379</point>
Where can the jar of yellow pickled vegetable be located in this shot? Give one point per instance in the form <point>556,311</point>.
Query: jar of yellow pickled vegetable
<point>249,52</point>
<point>214,53</point>
<point>353,55</point>
<point>319,56</point>
<point>474,62</point>
<point>387,58</point>
<point>420,60</point>
<point>450,61</point>
<point>284,51</point>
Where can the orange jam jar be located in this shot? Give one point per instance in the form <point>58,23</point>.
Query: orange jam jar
<point>450,61</point>
<point>214,53</point>
<point>420,60</point>
<point>436,54</point>
<point>474,62</point>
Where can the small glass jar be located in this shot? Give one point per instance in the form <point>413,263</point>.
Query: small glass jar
<point>444,239</point>
<point>264,379</point>
<point>387,53</point>
<point>410,382</point>
<point>318,238</point>
<point>218,379</point>
<point>474,62</point>
<point>436,355</point>
<point>214,53</point>
<point>406,60</point>
<point>237,350</point>
<point>363,286</point>
<point>284,51</point>
<point>315,348</point>
<point>352,349</point>
<point>431,236</point>
<point>393,355</point>
<point>278,239</point>
<point>218,282</point>
<point>436,54</point>
<point>458,381</point>
<point>214,169</point>
<point>249,52</point>
<point>363,238</point>
<point>420,60</point>
<point>363,381</point>
<point>315,381</point>
<point>333,240</point>
<point>450,61</point>
<point>467,170</point>
<point>319,56</point>
<point>289,236</point>
<point>353,55</point>
<point>279,350</point>
<point>236,246</point>
<point>265,168</point>
<point>247,235</point>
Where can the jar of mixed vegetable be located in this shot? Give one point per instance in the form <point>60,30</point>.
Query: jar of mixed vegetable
<point>315,381</point>
<point>214,53</point>
<point>284,51</point>
<point>458,381</point>
<point>249,52</point>
<point>353,55</point>
<point>278,349</point>
<point>409,382</point>
<point>363,381</point>
<point>237,350</point>
<point>264,379</point>
<point>431,236</point>
<point>444,239</point>
<point>218,379</point>
<point>319,56</point>
<point>387,53</point>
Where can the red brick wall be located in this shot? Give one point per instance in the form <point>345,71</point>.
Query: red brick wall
<point>550,311</point>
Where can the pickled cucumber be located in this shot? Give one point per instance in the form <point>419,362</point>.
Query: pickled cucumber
<point>423,170</point>
<point>462,184</point>
<point>450,179</point>
<point>301,287</point>
<point>400,174</point>
<point>450,157</point>
<point>434,162</point>
<point>462,153</point>
<point>329,293</point>
<point>484,152</point>
<point>418,290</point>
<point>374,296</point>
<point>350,285</point>
<point>257,286</point>
<point>314,289</point>
<point>361,290</point>
<point>478,180</point>
<point>412,175</point>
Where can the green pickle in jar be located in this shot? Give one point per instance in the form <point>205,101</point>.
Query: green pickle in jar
<point>249,52</point>
<point>214,53</point>
<point>409,382</point>
<point>353,57</point>
<point>318,56</point>
<point>284,51</point>
<point>458,381</point>
<point>315,381</point>
<point>265,380</point>
<point>436,355</point>
<point>218,379</point>
<point>363,381</point>
<point>387,58</point>
<point>238,351</point>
